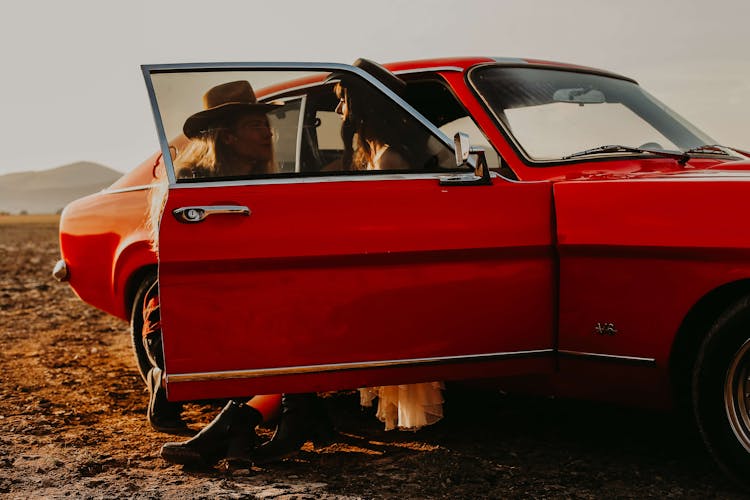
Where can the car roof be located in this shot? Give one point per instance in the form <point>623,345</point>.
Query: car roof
<point>460,64</point>
<point>464,63</point>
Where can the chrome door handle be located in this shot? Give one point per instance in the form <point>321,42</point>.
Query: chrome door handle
<point>191,215</point>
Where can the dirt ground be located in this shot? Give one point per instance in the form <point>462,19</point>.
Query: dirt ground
<point>72,424</point>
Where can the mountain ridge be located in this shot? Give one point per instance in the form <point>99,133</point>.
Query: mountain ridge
<point>48,191</point>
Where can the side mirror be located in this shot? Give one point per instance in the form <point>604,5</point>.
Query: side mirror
<point>481,174</point>
<point>461,141</point>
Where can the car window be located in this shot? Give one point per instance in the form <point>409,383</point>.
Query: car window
<point>437,103</point>
<point>553,113</point>
<point>284,124</point>
<point>265,123</point>
<point>552,130</point>
<point>329,131</point>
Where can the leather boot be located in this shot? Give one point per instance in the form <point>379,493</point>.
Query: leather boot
<point>163,415</point>
<point>303,418</point>
<point>230,435</point>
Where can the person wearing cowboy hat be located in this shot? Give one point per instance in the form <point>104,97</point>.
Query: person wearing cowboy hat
<point>231,136</point>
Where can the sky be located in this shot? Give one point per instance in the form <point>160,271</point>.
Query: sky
<point>72,88</point>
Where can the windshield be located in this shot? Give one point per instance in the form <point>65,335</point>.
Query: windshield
<point>552,113</point>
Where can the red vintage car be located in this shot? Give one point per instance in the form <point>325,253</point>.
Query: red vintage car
<point>585,242</point>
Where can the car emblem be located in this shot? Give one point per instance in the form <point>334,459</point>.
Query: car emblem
<point>605,329</point>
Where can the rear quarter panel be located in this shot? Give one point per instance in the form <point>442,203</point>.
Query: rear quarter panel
<point>105,239</point>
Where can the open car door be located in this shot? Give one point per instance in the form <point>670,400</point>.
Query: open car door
<point>307,274</point>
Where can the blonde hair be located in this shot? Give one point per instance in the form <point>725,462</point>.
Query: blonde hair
<point>157,201</point>
<point>206,155</point>
<point>202,156</point>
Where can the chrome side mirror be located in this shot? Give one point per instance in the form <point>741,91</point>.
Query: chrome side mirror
<point>461,141</point>
<point>481,175</point>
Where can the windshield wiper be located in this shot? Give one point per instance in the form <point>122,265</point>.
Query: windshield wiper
<point>681,158</point>
<point>716,149</point>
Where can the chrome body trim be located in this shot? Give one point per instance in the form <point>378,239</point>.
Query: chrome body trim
<point>607,357</point>
<point>161,136</point>
<point>359,177</point>
<point>340,367</point>
<point>142,187</point>
<point>300,125</point>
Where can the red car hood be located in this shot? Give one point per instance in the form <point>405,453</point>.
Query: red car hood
<point>729,169</point>
<point>661,169</point>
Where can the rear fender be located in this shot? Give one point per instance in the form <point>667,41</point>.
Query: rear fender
<point>133,255</point>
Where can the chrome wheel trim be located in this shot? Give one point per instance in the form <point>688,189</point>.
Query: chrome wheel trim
<point>737,395</point>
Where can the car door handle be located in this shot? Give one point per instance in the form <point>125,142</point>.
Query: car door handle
<point>191,215</point>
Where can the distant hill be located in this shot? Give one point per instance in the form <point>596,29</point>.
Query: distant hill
<point>48,191</point>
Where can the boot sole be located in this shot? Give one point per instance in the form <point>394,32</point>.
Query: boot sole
<point>183,456</point>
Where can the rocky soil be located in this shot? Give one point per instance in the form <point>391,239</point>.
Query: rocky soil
<point>72,424</point>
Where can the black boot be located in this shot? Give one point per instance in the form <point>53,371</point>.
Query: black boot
<point>163,415</point>
<point>230,435</point>
<point>303,418</point>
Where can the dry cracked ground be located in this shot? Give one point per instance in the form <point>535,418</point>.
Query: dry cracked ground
<point>72,424</point>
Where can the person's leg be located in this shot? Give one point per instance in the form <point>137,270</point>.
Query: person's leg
<point>231,431</point>
<point>230,435</point>
<point>303,417</point>
<point>163,415</point>
<point>268,405</point>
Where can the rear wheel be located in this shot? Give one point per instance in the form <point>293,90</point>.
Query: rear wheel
<point>142,358</point>
<point>721,391</point>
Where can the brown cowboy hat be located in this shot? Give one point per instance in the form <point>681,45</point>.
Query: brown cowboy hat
<point>222,102</point>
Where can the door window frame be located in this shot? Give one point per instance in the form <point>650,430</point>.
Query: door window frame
<point>150,69</point>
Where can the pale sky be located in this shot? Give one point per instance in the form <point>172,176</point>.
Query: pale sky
<point>72,89</point>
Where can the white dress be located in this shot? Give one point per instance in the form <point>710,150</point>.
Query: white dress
<point>406,407</point>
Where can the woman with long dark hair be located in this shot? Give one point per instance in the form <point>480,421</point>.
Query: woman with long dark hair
<point>373,139</point>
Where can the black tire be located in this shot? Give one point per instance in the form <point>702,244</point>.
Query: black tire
<point>721,392</point>
<point>142,359</point>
